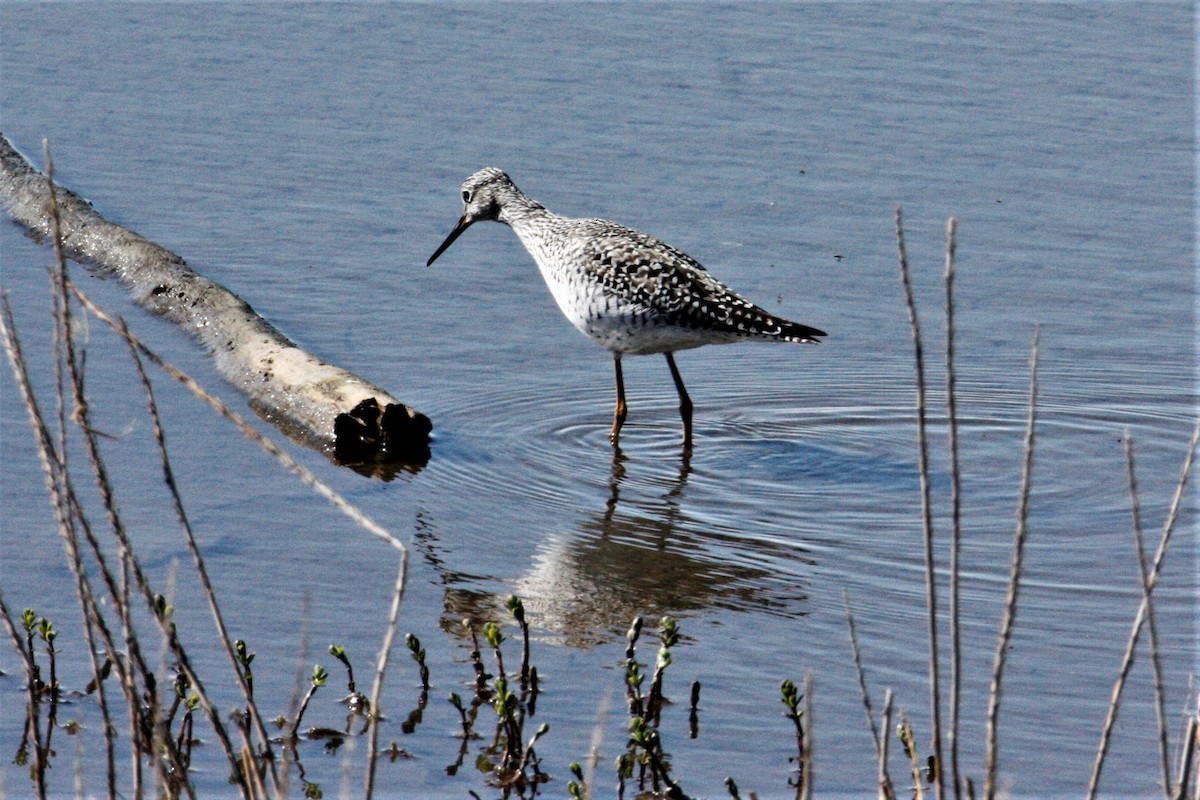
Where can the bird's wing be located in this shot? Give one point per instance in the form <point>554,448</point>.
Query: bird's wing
<point>648,274</point>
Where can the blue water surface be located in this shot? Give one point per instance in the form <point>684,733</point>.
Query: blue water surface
<point>308,156</point>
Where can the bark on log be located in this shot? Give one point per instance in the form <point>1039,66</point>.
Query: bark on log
<point>318,404</point>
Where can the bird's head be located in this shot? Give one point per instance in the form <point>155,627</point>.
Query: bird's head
<point>484,196</point>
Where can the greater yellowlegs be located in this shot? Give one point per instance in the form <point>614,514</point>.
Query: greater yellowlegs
<point>630,292</point>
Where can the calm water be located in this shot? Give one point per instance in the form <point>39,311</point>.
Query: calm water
<point>308,157</point>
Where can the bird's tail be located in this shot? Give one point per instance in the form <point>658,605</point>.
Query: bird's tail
<point>795,332</point>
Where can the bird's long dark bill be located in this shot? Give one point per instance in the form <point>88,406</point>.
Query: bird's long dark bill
<point>462,225</point>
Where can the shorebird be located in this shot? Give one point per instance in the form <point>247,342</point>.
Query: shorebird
<point>631,293</point>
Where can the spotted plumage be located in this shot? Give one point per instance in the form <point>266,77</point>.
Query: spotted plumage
<point>628,291</point>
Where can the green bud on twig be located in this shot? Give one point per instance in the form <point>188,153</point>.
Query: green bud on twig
<point>492,634</point>
<point>319,676</point>
<point>516,607</point>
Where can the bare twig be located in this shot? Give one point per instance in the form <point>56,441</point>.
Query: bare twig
<point>62,500</point>
<point>132,670</point>
<point>110,731</point>
<point>886,790</point>
<point>119,592</point>
<point>905,734</point>
<point>935,700</point>
<point>305,475</point>
<point>810,740</point>
<point>862,678</point>
<point>991,736</point>
<point>885,781</point>
<point>1139,620</point>
<point>380,667</point>
<point>955,513</point>
<point>198,560</point>
<point>1155,659</point>
<point>1187,758</point>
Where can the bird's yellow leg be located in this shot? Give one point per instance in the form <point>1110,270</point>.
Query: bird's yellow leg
<point>622,409</point>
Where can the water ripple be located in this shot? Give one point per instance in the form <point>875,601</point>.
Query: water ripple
<point>777,483</point>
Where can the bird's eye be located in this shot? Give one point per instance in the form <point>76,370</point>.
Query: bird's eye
<point>466,195</point>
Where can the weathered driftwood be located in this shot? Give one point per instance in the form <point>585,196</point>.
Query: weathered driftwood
<point>316,403</point>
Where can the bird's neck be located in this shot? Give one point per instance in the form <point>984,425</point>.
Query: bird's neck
<point>518,208</point>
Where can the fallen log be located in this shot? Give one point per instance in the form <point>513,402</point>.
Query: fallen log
<point>353,421</point>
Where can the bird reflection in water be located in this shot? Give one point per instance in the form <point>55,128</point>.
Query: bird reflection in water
<point>638,556</point>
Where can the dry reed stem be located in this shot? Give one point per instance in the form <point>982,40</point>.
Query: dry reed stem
<point>110,730</point>
<point>862,678</point>
<point>80,415</point>
<point>381,665</point>
<point>305,475</point>
<point>64,348</point>
<point>905,734</point>
<point>347,766</point>
<point>67,511</point>
<point>133,647</point>
<point>955,512</point>
<point>311,480</point>
<point>1155,659</point>
<point>198,561</point>
<point>1187,757</point>
<point>887,791</point>
<point>992,733</point>
<point>120,595</point>
<point>808,762</point>
<point>935,699</point>
<point>1151,580</point>
<point>258,791</point>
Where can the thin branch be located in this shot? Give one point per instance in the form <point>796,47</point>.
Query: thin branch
<point>62,500</point>
<point>935,699</point>
<point>991,737</point>
<point>240,423</point>
<point>905,734</point>
<point>307,477</point>
<point>381,666</point>
<point>198,560</point>
<point>862,678</point>
<point>808,761</point>
<point>886,789</point>
<point>1187,758</point>
<point>119,591</point>
<point>1155,659</point>
<point>1139,620</point>
<point>110,731</point>
<point>955,513</point>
